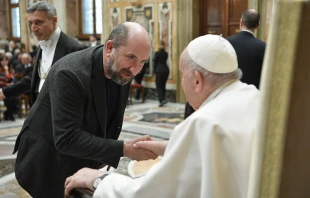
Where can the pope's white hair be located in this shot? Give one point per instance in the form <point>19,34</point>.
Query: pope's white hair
<point>214,79</point>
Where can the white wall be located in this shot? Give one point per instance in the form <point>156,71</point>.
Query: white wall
<point>60,6</point>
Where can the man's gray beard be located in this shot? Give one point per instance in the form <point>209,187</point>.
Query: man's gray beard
<point>116,77</point>
<point>112,72</point>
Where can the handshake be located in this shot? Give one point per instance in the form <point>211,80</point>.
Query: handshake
<point>144,148</point>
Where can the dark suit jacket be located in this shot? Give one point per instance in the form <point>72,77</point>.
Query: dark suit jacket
<point>250,53</point>
<point>65,45</point>
<point>20,68</point>
<point>67,127</point>
<point>160,62</point>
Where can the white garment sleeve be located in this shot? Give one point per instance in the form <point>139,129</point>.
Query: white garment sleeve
<point>208,156</point>
<point>176,175</point>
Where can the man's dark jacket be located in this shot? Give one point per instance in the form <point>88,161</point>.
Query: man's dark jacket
<point>67,127</point>
<point>250,53</point>
<point>65,45</point>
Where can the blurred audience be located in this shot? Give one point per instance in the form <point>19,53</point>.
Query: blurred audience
<point>33,52</point>
<point>7,78</point>
<point>11,47</point>
<point>16,60</point>
<point>24,65</point>
<point>93,40</point>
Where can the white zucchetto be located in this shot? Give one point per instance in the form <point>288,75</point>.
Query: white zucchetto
<point>214,53</point>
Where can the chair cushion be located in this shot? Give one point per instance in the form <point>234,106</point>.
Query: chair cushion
<point>135,85</point>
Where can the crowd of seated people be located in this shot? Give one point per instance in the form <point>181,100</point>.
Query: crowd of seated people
<point>7,78</point>
<point>14,64</point>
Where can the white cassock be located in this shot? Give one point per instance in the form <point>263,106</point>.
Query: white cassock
<point>208,154</point>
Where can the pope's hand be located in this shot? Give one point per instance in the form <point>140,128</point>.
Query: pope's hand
<point>157,147</point>
<point>138,153</point>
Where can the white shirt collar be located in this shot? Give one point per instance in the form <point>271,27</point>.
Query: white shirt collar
<point>48,43</point>
<point>248,31</point>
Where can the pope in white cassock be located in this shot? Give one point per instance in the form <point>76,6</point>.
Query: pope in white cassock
<point>208,154</point>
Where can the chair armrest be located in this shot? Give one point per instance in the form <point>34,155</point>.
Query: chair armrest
<point>80,193</point>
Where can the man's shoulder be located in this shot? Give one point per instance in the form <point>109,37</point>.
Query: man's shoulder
<point>260,42</point>
<point>235,36</point>
<point>246,39</point>
<point>71,42</point>
<point>162,52</point>
<point>239,95</point>
<point>231,37</point>
<point>81,57</point>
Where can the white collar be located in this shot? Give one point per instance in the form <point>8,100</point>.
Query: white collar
<point>48,43</point>
<point>217,92</point>
<point>248,31</point>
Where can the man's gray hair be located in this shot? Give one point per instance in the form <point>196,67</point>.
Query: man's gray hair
<point>26,54</point>
<point>214,79</point>
<point>119,35</point>
<point>43,6</point>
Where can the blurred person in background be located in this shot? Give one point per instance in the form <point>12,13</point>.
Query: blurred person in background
<point>161,71</point>
<point>6,79</point>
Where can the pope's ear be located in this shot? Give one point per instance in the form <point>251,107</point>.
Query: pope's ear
<point>199,81</point>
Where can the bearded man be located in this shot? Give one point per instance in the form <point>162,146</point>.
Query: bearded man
<point>78,115</point>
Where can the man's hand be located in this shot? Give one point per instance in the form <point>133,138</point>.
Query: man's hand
<point>138,153</point>
<point>84,178</point>
<point>157,147</point>
<point>2,96</point>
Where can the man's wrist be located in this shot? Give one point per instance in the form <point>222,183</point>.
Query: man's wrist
<point>125,150</point>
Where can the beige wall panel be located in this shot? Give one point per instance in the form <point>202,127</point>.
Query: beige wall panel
<point>295,175</point>
<point>72,18</point>
<point>60,6</point>
<point>281,143</point>
<point>4,24</point>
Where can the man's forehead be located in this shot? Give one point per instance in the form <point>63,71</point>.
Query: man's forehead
<point>128,48</point>
<point>37,15</point>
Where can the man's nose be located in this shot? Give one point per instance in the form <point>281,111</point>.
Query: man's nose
<point>34,27</point>
<point>136,68</point>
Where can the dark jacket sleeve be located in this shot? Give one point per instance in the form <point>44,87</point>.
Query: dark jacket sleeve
<point>68,114</point>
<point>19,88</point>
